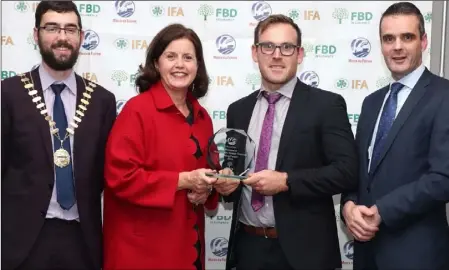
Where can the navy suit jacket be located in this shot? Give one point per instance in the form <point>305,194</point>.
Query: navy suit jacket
<point>410,182</point>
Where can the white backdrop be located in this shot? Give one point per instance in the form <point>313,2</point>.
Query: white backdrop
<point>340,39</point>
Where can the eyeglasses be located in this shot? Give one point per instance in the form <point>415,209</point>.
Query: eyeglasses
<point>54,29</point>
<point>287,49</point>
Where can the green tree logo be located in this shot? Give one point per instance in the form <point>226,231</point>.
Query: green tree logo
<point>308,48</point>
<point>157,11</point>
<point>119,76</point>
<point>293,14</point>
<point>22,6</point>
<point>428,17</point>
<point>340,14</point>
<point>30,40</point>
<point>206,10</point>
<point>253,79</point>
<point>121,43</point>
<point>383,81</point>
<point>341,84</point>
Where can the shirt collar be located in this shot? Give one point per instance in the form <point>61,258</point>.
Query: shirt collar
<point>164,102</point>
<point>412,78</point>
<point>47,80</point>
<point>286,90</point>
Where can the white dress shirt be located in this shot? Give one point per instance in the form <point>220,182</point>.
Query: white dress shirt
<point>68,96</point>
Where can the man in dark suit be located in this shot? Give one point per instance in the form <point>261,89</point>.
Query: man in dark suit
<point>54,129</point>
<point>284,215</point>
<point>397,215</point>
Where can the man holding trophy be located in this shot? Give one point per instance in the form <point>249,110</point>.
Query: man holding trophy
<point>288,148</point>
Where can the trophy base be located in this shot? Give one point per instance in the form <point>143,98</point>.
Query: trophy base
<point>217,175</point>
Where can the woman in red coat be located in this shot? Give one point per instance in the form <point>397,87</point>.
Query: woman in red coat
<point>156,162</point>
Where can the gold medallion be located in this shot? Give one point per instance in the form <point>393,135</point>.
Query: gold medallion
<point>61,158</point>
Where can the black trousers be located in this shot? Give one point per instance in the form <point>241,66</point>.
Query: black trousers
<point>255,252</point>
<point>60,245</point>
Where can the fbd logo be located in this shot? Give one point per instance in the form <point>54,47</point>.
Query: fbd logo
<point>89,10</point>
<point>120,103</point>
<point>357,17</point>
<point>8,74</point>
<point>348,249</point>
<point>220,219</point>
<point>119,76</point>
<point>219,246</point>
<point>306,15</point>
<point>7,41</point>
<point>218,115</point>
<point>353,118</point>
<point>226,14</point>
<point>124,9</point>
<point>261,10</point>
<point>21,6</point>
<point>320,50</point>
<point>253,79</point>
<point>361,47</point>
<point>310,78</point>
<point>225,45</point>
<point>360,17</point>
<point>121,43</point>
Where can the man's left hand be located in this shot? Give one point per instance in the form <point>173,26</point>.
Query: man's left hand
<point>267,182</point>
<point>373,218</point>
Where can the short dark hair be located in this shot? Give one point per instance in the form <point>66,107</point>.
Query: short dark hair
<point>275,19</point>
<point>58,6</point>
<point>149,75</point>
<point>404,8</point>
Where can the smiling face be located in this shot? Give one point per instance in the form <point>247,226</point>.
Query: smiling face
<point>277,69</point>
<point>178,65</point>
<point>59,50</point>
<point>402,45</point>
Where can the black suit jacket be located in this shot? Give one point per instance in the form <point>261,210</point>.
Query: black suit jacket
<point>317,150</point>
<point>28,170</point>
<point>410,183</point>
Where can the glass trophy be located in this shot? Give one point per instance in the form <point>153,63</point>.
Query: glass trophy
<point>232,149</point>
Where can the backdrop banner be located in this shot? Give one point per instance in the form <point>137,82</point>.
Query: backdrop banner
<point>340,39</point>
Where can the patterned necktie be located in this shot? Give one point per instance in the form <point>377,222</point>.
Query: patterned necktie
<point>386,121</point>
<point>257,199</point>
<point>65,189</point>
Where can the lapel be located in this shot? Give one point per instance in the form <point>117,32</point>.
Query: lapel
<point>43,126</point>
<point>296,114</point>
<point>372,111</point>
<point>415,96</point>
<point>246,111</point>
<point>81,132</point>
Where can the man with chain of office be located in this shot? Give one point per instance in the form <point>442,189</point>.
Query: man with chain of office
<point>54,129</point>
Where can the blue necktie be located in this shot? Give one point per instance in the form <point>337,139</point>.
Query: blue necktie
<point>65,189</point>
<point>386,121</point>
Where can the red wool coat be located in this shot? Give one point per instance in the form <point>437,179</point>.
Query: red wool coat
<point>148,224</point>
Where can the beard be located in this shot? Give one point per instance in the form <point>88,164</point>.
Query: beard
<point>58,64</point>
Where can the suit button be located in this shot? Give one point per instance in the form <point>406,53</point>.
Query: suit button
<point>43,213</point>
